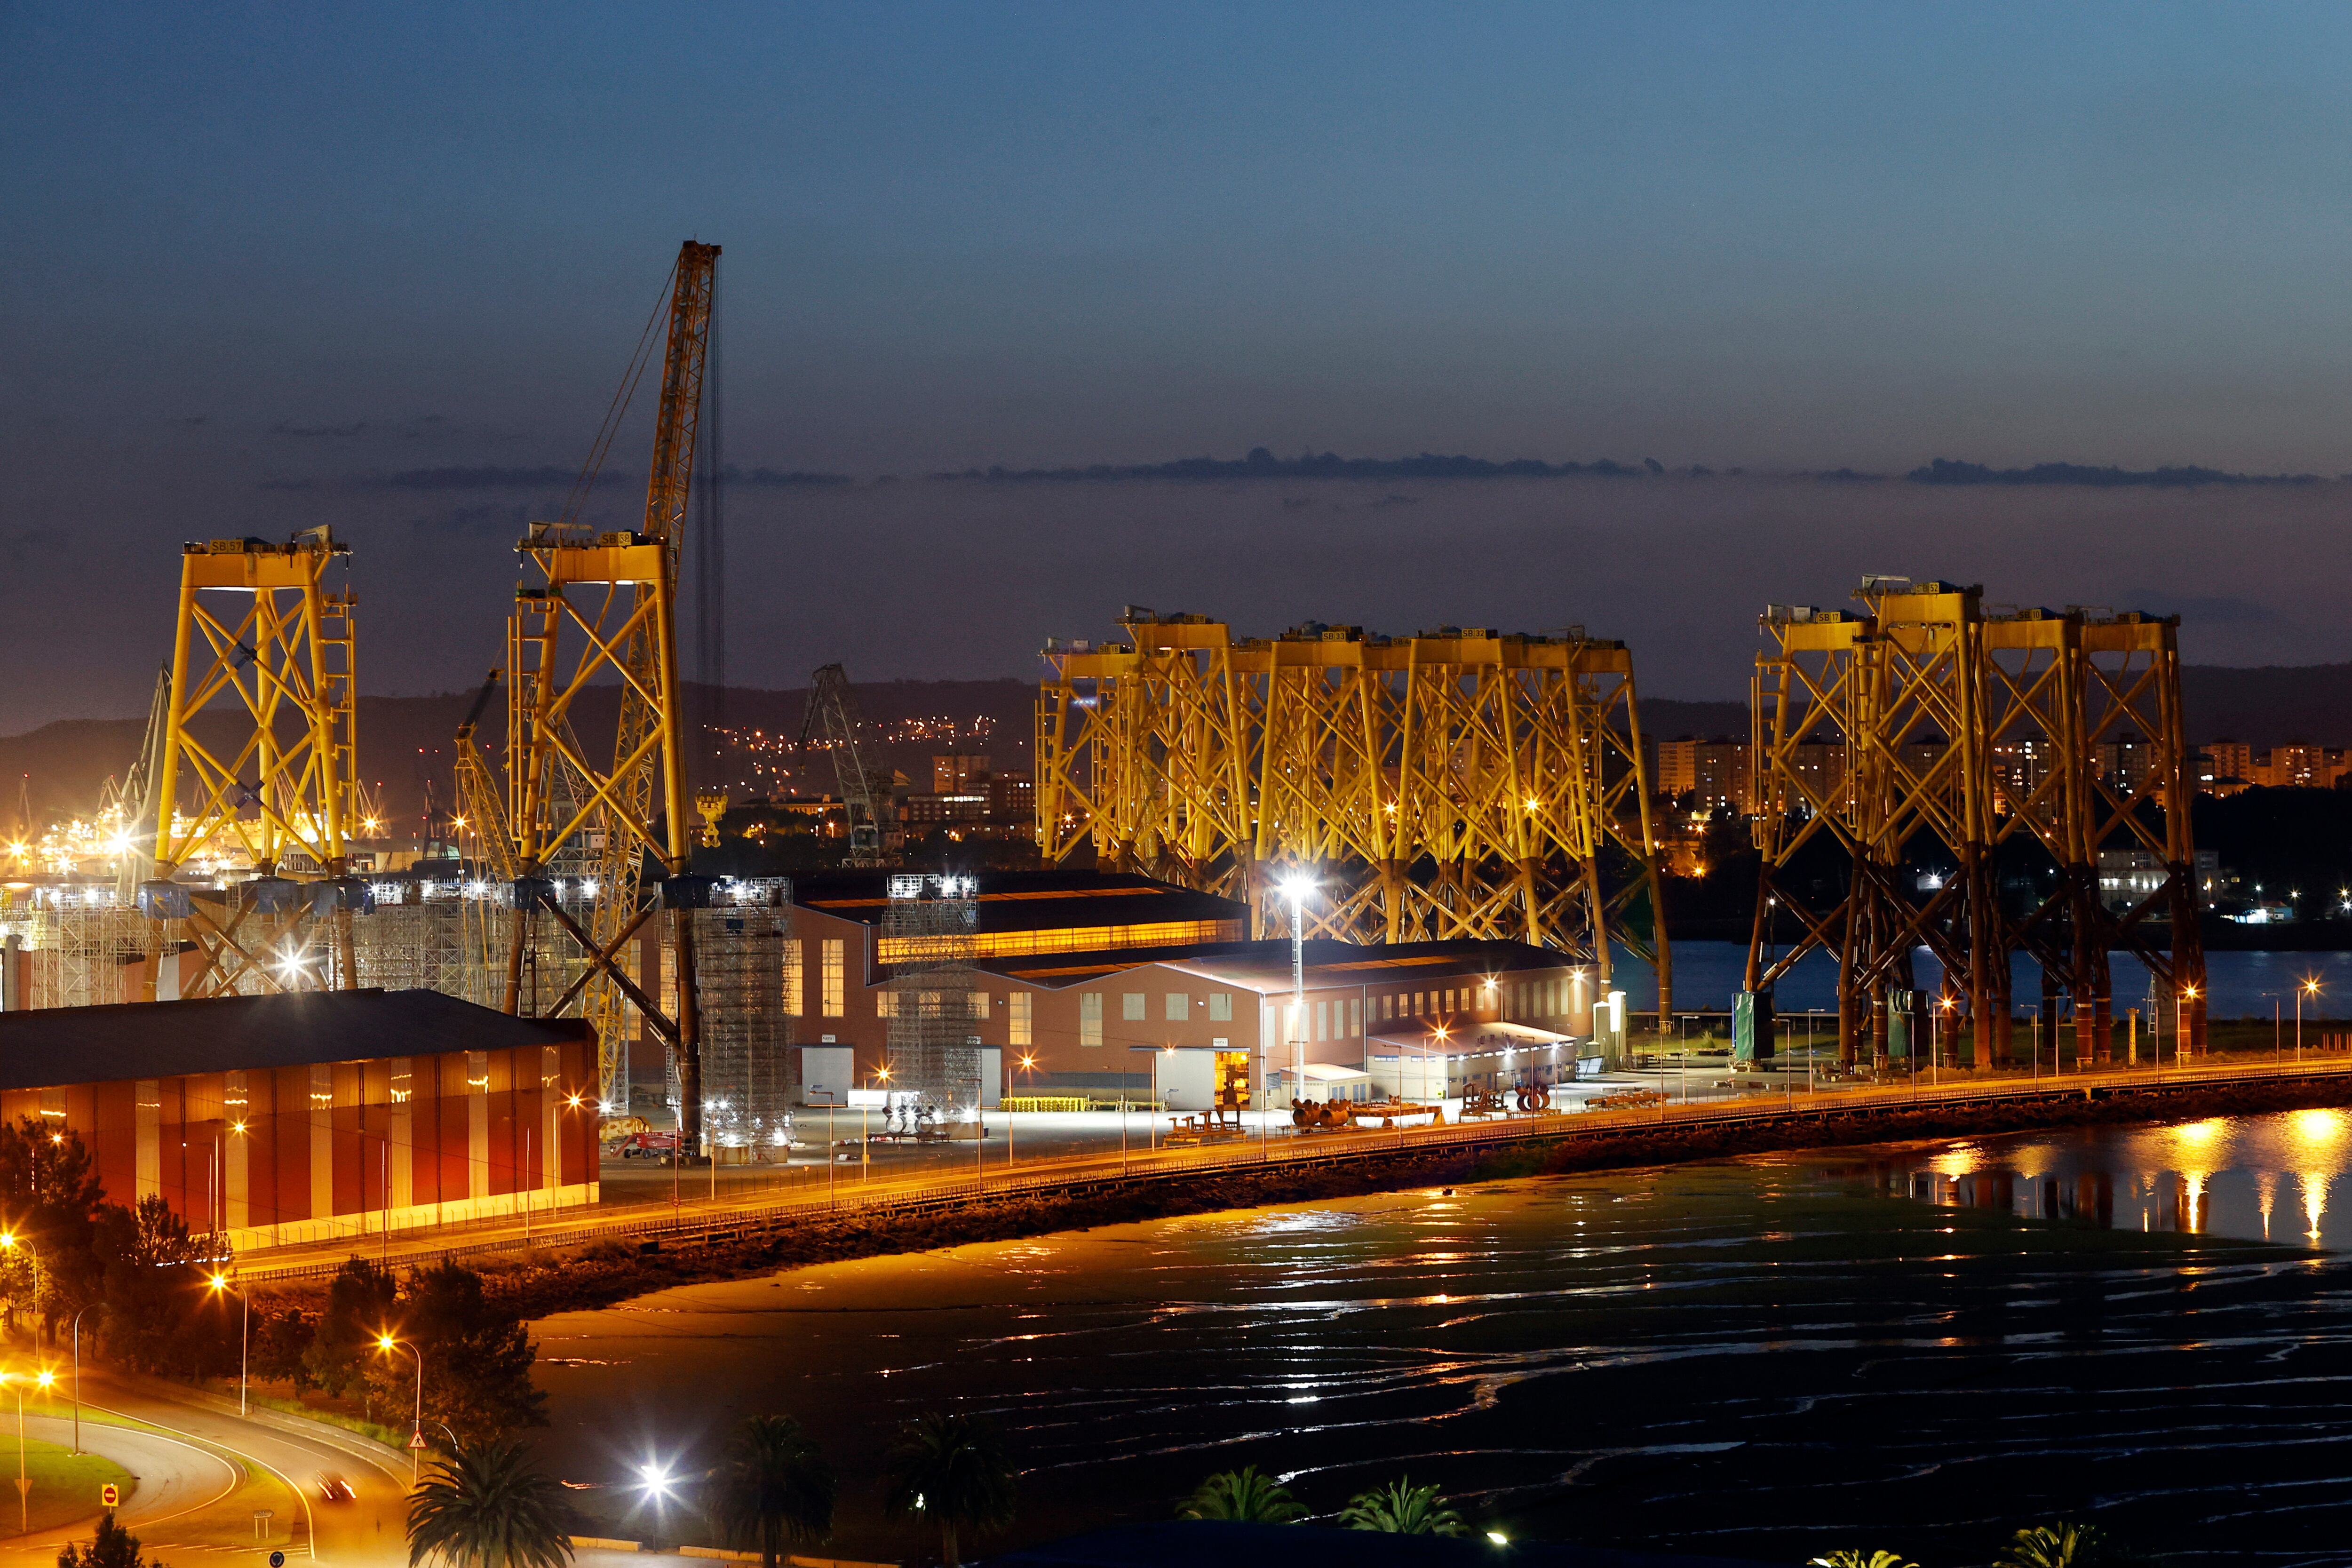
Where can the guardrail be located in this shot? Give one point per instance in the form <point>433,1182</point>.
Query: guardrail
<point>1076,1175</point>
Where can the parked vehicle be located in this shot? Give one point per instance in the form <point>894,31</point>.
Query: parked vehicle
<point>649,1144</point>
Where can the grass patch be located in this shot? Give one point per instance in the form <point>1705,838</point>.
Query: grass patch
<point>365,1428</point>
<point>65,1484</point>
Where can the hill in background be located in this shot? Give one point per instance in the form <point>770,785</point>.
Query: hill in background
<point>746,733</point>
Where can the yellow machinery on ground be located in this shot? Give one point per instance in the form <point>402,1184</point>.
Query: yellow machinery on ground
<point>1922,719</point>
<point>256,771</point>
<point>1458,783</point>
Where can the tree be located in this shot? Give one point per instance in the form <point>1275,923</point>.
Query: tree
<point>486,1506</point>
<point>773,1488</point>
<point>2054,1546</point>
<point>50,1197</point>
<point>115,1547</point>
<point>1246,1496</point>
<point>1852,1559</point>
<point>342,1350</point>
<point>159,1316</point>
<point>954,1469</point>
<point>477,1359</point>
<point>1403,1509</point>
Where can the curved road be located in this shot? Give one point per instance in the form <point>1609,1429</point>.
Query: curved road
<point>202,1473</point>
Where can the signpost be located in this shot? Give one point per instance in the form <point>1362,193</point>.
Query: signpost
<point>110,1496</point>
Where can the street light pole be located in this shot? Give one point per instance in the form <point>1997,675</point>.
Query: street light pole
<point>77,1392</point>
<point>219,1283</point>
<point>387,1344</point>
<point>24,1481</point>
<point>1298,888</point>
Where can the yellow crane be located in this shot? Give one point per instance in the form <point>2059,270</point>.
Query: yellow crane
<point>604,607</point>
<point>255,770</point>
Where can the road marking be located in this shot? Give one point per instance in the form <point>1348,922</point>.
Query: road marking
<point>310,1525</point>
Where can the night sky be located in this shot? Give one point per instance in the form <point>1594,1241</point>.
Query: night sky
<point>266,267</point>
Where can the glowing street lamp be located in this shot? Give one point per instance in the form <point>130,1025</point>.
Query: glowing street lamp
<point>385,1344</point>
<point>218,1284</point>
<point>2310,987</point>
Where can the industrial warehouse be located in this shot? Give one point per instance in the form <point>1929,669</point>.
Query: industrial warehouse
<point>273,1120</point>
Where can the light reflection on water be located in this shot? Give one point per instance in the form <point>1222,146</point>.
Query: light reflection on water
<point>2220,1176</point>
<point>1764,1358</point>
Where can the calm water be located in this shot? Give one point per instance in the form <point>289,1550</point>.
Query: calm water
<point>1919,1347</point>
<point>2243,985</point>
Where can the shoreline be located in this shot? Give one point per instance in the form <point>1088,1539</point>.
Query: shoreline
<point>586,1279</point>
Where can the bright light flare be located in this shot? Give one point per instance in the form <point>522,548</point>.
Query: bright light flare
<point>655,1480</point>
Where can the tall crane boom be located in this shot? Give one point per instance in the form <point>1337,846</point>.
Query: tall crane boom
<point>680,420</point>
<point>623,623</point>
<point>832,715</point>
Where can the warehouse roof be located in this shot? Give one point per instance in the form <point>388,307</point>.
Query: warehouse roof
<point>1019,900</point>
<point>1264,966</point>
<point>51,1046</point>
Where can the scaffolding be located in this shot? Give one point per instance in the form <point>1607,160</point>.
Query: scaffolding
<point>1459,784</point>
<point>747,1084</point>
<point>932,997</point>
<point>1919,695</point>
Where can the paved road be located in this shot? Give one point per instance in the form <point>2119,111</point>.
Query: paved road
<point>202,1474</point>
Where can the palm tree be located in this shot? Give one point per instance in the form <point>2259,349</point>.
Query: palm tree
<point>2054,1546</point>
<point>1403,1509</point>
<point>1852,1559</point>
<point>773,1488</point>
<point>954,1469</point>
<point>1246,1496</point>
<point>485,1507</point>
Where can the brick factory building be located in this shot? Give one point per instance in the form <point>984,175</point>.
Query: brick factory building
<point>299,1117</point>
<point>1118,983</point>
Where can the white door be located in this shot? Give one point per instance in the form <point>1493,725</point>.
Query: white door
<point>827,1074</point>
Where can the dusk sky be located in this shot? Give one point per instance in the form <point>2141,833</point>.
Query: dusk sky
<point>268,268</point>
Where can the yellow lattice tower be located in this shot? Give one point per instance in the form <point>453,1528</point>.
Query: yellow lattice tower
<point>257,766</point>
<point>605,608</point>
<point>1972,732</point>
<point>1455,785</point>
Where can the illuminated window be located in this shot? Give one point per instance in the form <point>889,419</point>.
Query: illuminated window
<point>886,1003</point>
<point>977,1004</point>
<point>1220,1007</point>
<point>1179,1007</point>
<point>1131,1006</point>
<point>1017,1020</point>
<point>1091,1019</point>
<point>1322,1020</point>
<point>834,989</point>
<point>1355,1017</point>
<point>793,977</point>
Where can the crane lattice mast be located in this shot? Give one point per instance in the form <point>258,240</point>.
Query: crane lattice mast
<point>832,717</point>
<point>617,593</point>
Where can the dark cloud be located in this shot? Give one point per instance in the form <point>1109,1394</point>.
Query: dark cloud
<point>287,484</point>
<point>1944,471</point>
<point>316,432</point>
<point>773,478</point>
<point>480,478</point>
<point>1262,463</point>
